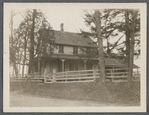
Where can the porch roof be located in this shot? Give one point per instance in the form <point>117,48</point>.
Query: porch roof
<point>65,56</point>
<point>108,61</point>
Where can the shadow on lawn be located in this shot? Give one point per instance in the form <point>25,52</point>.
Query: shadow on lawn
<point>121,94</point>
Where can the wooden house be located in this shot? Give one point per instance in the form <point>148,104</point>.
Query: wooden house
<point>67,55</point>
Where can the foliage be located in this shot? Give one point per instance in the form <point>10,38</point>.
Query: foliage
<point>43,37</point>
<point>113,29</point>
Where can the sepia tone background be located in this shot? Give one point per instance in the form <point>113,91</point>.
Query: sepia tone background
<point>142,78</point>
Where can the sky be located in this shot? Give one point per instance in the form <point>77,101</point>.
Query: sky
<point>73,20</point>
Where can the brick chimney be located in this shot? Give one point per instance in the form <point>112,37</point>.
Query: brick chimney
<point>62,27</point>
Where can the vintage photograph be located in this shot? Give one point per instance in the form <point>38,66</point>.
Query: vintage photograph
<point>74,55</point>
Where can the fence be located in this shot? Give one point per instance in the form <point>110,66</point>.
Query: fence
<point>33,77</point>
<point>72,76</point>
<point>114,75</point>
<point>117,75</point>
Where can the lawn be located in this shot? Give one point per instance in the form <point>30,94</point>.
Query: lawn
<point>120,94</point>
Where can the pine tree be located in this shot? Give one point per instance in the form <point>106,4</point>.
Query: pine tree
<point>132,40</point>
<point>115,21</point>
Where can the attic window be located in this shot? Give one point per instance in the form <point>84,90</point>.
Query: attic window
<point>75,50</point>
<point>61,49</point>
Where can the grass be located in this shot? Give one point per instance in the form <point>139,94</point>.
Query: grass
<point>121,94</point>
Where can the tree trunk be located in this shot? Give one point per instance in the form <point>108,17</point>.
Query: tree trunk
<point>14,54</point>
<point>127,43</point>
<point>131,58</point>
<point>108,47</point>
<point>31,57</point>
<point>100,46</point>
<point>23,69</point>
<point>15,68</point>
<point>24,57</point>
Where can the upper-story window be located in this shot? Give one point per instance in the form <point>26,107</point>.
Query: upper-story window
<point>61,49</point>
<point>75,50</point>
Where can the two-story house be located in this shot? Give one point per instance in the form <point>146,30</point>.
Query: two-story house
<point>67,55</point>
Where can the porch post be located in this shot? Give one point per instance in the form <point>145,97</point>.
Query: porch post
<point>85,64</point>
<point>63,60</point>
<point>38,65</point>
<point>137,71</point>
<point>98,66</point>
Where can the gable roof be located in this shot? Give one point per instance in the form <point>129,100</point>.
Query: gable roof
<point>69,38</point>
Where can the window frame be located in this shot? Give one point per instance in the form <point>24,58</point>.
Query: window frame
<point>75,50</point>
<point>62,49</point>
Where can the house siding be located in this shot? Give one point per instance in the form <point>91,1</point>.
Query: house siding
<point>67,50</point>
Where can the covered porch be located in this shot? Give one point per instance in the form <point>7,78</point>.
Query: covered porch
<point>61,63</point>
<point>54,65</point>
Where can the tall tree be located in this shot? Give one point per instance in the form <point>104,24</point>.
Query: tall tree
<point>126,28</point>
<point>100,45</point>
<point>131,55</point>
<point>115,21</point>
<point>31,53</point>
<point>12,46</point>
<point>24,58</point>
<point>109,25</point>
<point>29,40</point>
<point>127,33</point>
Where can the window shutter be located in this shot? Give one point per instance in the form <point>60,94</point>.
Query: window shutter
<point>73,50</point>
<point>76,50</point>
<point>61,49</point>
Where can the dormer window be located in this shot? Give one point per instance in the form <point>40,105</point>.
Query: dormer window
<point>61,49</point>
<point>75,50</point>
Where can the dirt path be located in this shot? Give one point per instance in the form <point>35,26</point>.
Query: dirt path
<point>17,100</point>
